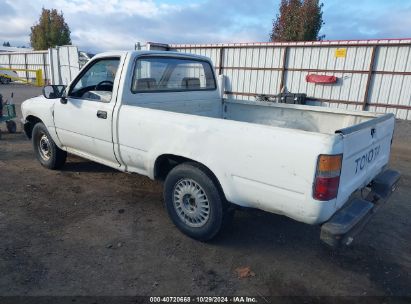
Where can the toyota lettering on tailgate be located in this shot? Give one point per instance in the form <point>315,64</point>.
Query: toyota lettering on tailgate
<point>363,161</point>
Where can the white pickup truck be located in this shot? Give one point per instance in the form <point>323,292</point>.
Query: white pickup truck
<point>161,114</point>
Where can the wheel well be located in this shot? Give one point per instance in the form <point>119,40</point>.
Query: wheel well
<point>31,121</point>
<point>165,163</point>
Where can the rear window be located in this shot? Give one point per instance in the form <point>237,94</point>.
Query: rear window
<point>159,74</point>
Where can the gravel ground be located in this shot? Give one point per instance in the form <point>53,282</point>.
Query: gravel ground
<point>90,230</point>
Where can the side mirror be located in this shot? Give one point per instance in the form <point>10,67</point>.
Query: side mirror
<point>53,91</point>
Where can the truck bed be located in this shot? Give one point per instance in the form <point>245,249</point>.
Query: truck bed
<point>306,118</point>
<point>299,117</point>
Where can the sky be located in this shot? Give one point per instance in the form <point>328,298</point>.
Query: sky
<point>98,25</point>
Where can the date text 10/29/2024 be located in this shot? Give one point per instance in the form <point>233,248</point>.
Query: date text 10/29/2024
<point>205,299</point>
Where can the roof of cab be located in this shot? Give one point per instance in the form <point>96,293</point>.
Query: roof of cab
<point>162,53</point>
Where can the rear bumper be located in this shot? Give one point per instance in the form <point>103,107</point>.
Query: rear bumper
<point>346,223</point>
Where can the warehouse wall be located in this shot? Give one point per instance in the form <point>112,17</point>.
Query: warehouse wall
<point>372,75</point>
<point>33,60</point>
<point>59,65</point>
<point>65,64</point>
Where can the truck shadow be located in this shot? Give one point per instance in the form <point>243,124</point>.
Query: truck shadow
<point>76,164</point>
<point>265,229</point>
<point>277,237</point>
<point>12,137</point>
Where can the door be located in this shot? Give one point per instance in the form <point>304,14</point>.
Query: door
<point>166,83</point>
<point>83,119</point>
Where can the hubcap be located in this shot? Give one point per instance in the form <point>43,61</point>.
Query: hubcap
<point>191,203</point>
<point>44,147</point>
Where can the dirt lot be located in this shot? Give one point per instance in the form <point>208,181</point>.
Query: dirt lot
<point>89,230</point>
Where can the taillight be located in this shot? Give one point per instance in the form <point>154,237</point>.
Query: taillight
<point>327,178</point>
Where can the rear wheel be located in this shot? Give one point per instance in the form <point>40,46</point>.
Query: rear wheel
<point>194,202</point>
<point>47,152</point>
<point>11,126</point>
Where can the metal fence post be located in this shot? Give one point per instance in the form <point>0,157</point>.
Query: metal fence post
<point>26,67</point>
<point>283,68</point>
<point>369,76</point>
<point>69,63</point>
<point>44,67</point>
<point>221,65</point>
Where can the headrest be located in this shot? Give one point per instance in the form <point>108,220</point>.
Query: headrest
<point>145,84</point>
<point>190,83</point>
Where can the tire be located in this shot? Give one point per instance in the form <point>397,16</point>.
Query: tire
<point>194,202</point>
<point>45,149</point>
<point>11,126</point>
<point>4,80</point>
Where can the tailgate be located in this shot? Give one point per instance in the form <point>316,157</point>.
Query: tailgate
<point>366,151</point>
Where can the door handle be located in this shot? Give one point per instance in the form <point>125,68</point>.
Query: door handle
<point>102,114</point>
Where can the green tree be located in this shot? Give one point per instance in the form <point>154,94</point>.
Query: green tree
<point>51,30</point>
<point>298,20</point>
<point>6,43</point>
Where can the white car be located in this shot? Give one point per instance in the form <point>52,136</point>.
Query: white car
<point>160,114</point>
<point>7,76</point>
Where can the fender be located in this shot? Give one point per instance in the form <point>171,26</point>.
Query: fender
<point>42,109</point>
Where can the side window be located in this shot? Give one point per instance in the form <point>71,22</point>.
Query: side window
<point>154,74</point>
<point>96,83</point>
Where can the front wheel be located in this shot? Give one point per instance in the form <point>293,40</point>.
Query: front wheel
<point>194,202</point>
<point>47,152</point>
